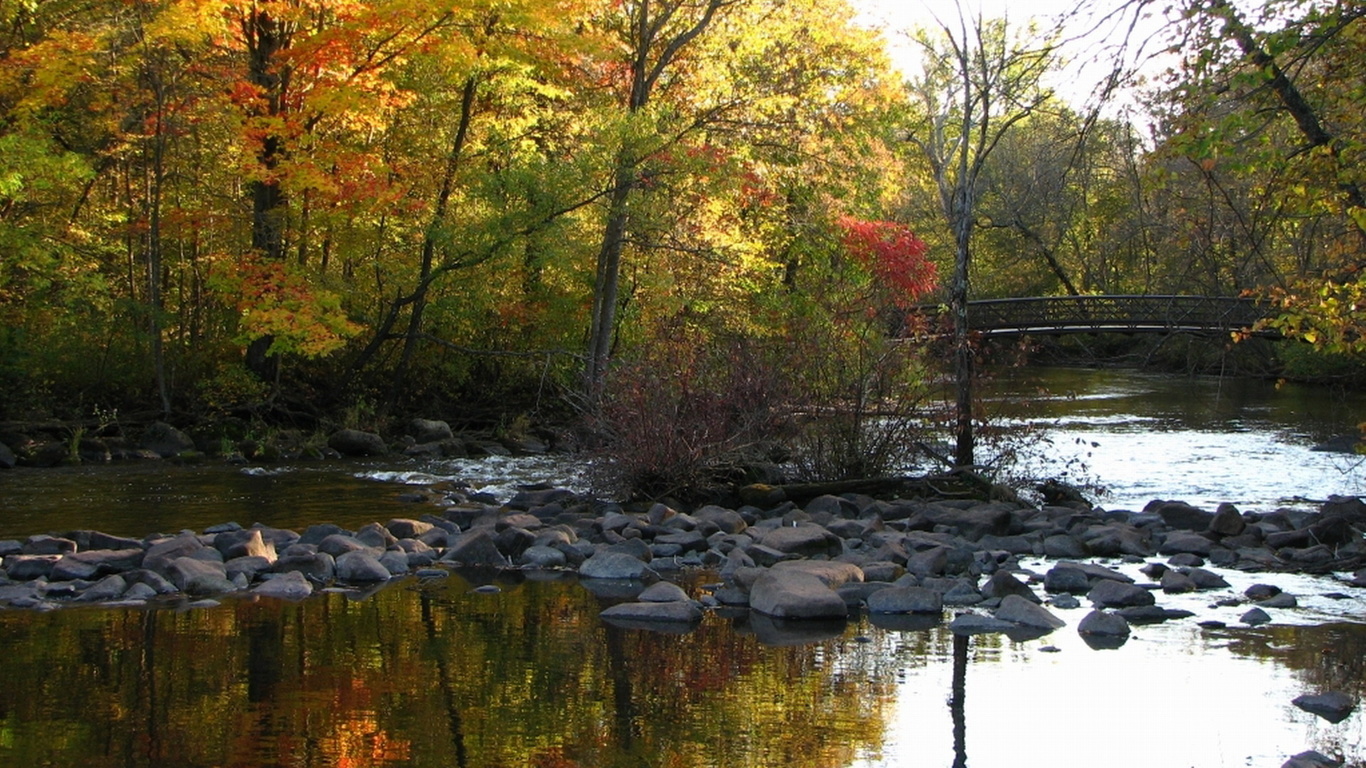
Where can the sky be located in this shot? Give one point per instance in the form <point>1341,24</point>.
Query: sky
<point>1090,37</point>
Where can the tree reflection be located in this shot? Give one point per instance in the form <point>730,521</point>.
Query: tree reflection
<point>429,674</point>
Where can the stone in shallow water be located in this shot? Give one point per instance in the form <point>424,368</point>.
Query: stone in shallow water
<point>905,600</point>
<point>796,595</point>
<point>1333,706</point>
<point>673,611</point>
<point>613,565</point>
<point>1311,759</point>
<point>1114,594</point>
<point>976,624</point>
<point>361,567</point>
<point>1017,610</point>
<point>1255,617</point>
<point>285,586</point>
<point>1104,624</point>
<point>663,592</point>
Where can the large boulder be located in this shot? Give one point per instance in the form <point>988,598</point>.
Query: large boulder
<point>1182,516</point>
<point>476,548</point>
<point>429,431</point>
<point>1116,594</point>
<point>613,565</point>
<point>354,442</point>
<point>194,576</point>
<point>1018,610</point>
<point>165,440</point>
<point>1333,706</point>
<point>1103,624</point>
<point>361,567</point>
<point>795,595</point>
<point>905,600</point>
<point>677,611</point>
<point>805,539</point>
<point>833,572</point>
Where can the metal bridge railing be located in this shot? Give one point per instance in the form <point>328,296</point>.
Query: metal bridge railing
<point>1114,313</point>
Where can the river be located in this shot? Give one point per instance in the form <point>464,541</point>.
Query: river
<point>440,673</point>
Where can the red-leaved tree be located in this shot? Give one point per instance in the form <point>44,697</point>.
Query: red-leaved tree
<point>894,256</point>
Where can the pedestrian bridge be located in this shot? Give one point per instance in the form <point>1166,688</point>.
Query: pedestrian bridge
<point>1056,315</point>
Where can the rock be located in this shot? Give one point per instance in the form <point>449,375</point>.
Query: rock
<point>1176,583</point>
<point>1204,579</point>
<point>1333,706</point>
<point>198,577</point>
<point>1063,546</point>
<point>160,555</point>
<point>1255,617</point>
<point>1018,610</point>
<point>1152,614</point>
<point>318,567</point>
<point>1065,577</point>
<point>361,567</point>
<point>1115,594</point>
<point>1185,542</point>
<point>234,544</point>
<point>339,544</point>
<point>1104,624</point>
<point>905,600</point>
<point>513,541</point>
<point>1260,592</point>
<point>833,573</point>
<point>292,585</point>
<point>1311,759</point>
<point>404,528</point>
<point>395,561</point>
<point>929,562</point>
<point>353,442</point>
<point>429,431</point>
<point>375,536</point>
<point>1227,521</point>
<point>29,567</point>
<point>249,567</point>
<point>110,587</point>
<point>676,611</point>
<point>1002,583</point>
<point>728,520</point>
<point>476,548</point>
<point>48,545</point>
<point>613,565</point>
<point>541,557</point>
<point>976,624</point>
<point>7,458</point>
<point>805,539</point>
<point>662,592</point>
<point>795,595</point>
<point>165,440</point>
<point>1283,600</point>
<point>1183,516</point>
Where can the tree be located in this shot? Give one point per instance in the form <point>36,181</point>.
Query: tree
<point>653,36</point>
<point>979,81</point>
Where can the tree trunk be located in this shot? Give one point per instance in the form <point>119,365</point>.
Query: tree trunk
<point>962,345</point>
<point>607,285</point>
<point>419,296</point>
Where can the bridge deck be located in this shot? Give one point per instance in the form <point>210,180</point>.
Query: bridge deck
<point>1053,315</point>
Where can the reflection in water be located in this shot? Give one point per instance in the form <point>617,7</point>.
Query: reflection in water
<point>434,674</point>
<point>956,701</point>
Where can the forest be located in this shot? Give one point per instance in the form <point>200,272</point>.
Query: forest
<point>309,212</point>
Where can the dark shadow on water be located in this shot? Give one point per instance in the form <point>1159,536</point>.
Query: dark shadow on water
<point>906,622</point>
<point>790,632</point>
